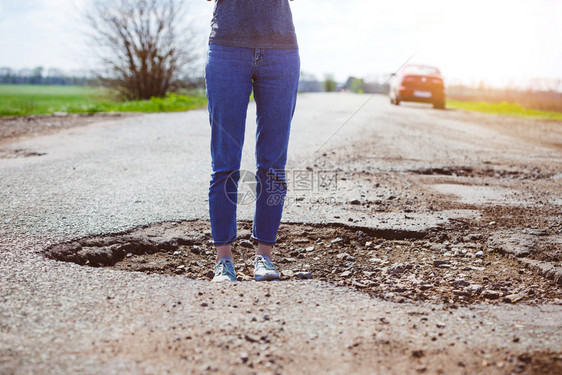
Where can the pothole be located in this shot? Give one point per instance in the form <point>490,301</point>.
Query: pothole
<point>534,173</point>
<point>452,266</point>
<point>19,153</point>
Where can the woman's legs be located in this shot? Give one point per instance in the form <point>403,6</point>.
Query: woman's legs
<point>276,79</point>
<point>229,75</point>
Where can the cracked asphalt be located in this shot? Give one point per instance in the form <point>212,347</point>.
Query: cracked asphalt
<point>63,318</point>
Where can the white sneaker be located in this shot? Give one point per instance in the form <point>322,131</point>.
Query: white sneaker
<point>224,271</point>
<point>264,269</point>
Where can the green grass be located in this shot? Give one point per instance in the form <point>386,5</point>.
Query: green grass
<point>20,100</point>
<point>504,108</point>
<point>171,103</point>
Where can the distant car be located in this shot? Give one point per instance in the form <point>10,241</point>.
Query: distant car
<point>418,83</point>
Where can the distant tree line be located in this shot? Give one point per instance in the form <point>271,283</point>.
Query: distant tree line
<point>54,76</point>
<point>372,85</point>
<point>41,76</point>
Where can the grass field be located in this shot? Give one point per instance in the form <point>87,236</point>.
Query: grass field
<point>20,100</point>
<point>504,108</point>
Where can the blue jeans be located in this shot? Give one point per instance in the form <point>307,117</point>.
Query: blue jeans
<point>231,74</point>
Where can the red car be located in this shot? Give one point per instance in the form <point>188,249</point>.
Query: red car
<point>418,83</point>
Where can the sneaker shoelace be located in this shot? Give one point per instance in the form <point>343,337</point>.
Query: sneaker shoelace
<point>224,268</point>
<point>265,263</point>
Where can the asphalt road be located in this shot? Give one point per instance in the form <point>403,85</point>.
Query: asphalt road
<point>58,317</point>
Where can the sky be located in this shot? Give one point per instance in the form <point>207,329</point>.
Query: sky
<point>500,42</point>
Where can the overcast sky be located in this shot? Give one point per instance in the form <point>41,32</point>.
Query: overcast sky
<point>499,41</point>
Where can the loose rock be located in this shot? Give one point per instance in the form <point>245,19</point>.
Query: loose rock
<point>303,275</point>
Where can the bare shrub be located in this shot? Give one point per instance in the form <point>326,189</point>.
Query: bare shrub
<point>145,45</point>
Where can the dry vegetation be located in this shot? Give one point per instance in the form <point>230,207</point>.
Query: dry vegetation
<point>544,100</point>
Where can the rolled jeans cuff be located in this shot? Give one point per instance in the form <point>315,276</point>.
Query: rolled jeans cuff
<point>270,243</point>
<point>222,243</point>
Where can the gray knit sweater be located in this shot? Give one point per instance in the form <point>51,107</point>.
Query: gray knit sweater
<point>253,24</point>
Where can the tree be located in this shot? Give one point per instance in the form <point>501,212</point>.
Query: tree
<point>330,84</point>
<point>7,75</point>
<point>144,45</point>
<point>357,85</point>
<point>37,77</point>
